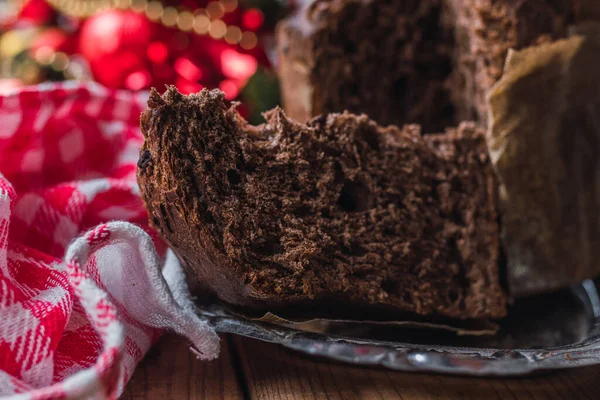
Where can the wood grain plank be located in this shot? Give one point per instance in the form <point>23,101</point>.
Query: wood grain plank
<point>171,371</point>
<point>272,372</point>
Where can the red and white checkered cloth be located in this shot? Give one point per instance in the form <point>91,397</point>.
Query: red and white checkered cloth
<point>83,294</point>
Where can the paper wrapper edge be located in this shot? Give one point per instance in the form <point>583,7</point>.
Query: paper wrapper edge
<point>320,325</point>
<point>544,142</point>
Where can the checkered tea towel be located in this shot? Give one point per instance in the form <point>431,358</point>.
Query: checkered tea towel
<point>85,286</point>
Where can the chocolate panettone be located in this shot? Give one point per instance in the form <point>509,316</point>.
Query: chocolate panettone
<point>387,59</point>
<point>337,211</point>
<point>421,61</point>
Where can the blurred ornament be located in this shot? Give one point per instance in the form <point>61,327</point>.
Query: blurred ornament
<point>248,41</point>
<point>9,10</point>
<point>44,55</point>
<point>229,5</point>
<point>138,44</point>
<point>60,61</point>
<point>29,72</point>
<point>115,43</point>
<point>169,16</point>
<point>81,8</point>
<point>138,80</point>
<point>253,19</point>
<point>35,12</point>
<point>185,22</point>
<point>230,88</point>
<point>113,31</point>
<point>217,29</point>
<point>233,35</point>
<point>157,52</point>
<point>187,69</point>
<point>215,10</point>
<point>78,69</point>
<point>201,24</point>
<point>12,43</point>
<point>187,86</point>
<point>51,38</point>
<point>113,69</point>
<point>154,10</point>
<point>237,65</point>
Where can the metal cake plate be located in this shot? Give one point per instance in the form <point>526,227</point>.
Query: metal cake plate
<point>548,332</point>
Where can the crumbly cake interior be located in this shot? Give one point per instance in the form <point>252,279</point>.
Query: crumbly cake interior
<point>429,62</point>
<point>387,59</point>
<point>338,209</point>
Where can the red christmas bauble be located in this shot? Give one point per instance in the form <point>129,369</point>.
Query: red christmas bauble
<point>52,38</point>
<point>115,42</point>
<point>36,12</point>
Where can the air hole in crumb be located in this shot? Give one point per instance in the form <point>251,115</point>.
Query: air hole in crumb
<point>361,274</point>
<point>270,247</point>
<point>338,173</point>
<point>318,121</point>
<point>303,210</point>
<point>354,250</point>
<point>233,177</point>
<point>208,166</point>
<point>209,218</point>
<point>165,218</point>
<point>453,296</point>
<point>457,216</point>
<point>399,88</point>
<point>388,230</point>
<point>390,286</point>
<point>194,185</point>
<point>349,47</point>
<point>354,197</point>
<point>144,160</point>
<point>372,139</point>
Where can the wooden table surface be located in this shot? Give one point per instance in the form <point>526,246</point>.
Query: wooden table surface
<point>249,369</point>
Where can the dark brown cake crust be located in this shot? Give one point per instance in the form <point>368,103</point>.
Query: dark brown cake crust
<point>339,210</point>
